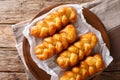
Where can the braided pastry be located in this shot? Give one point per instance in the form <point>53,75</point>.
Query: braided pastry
<point>77,51</point>
<point>87,68</point>
<point>56,43</point>
<point>53,22</point>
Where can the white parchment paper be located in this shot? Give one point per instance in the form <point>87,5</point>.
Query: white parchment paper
<point>82,27</point>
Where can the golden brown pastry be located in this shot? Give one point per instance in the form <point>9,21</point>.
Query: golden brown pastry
<point>53,22</point>
<point>78,50</point>
<point>87,68</point>
<point>56,43</point>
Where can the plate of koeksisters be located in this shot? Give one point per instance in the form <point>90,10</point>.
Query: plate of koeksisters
<point>66,42</point>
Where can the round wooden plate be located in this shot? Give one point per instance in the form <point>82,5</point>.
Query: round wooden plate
<point>91,18</point>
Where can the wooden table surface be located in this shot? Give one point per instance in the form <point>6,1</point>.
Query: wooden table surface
<point>14,11</point>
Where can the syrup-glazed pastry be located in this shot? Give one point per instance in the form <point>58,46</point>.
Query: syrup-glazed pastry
<point>87,68</point>
<point>56,43</point>
<point>54,22</point>
<point>77,51</point>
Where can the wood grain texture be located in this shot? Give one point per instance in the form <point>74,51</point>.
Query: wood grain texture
<point>10,66</point>
<point>6,36</point>
<point>9,60</point>
<point>13,76</point>
<point>13,11</point>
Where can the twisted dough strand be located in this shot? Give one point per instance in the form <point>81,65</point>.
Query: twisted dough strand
<point>53,22</point>
<point>56,43</point>
<point>87,68</point>
<point>77,51</point>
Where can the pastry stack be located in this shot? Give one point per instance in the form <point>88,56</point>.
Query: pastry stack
<point>60,38</point>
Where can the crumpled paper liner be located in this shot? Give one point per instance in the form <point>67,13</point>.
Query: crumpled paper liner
<point>81,26</point>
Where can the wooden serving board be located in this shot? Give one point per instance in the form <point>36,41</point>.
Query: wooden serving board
<point>91,18</point>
